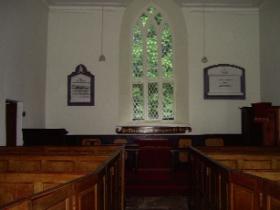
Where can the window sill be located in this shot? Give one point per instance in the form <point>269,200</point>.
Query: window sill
<point>142,129</point>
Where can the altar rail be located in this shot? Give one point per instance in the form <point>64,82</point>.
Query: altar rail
<point>219,187</point>
<point>70,178</point>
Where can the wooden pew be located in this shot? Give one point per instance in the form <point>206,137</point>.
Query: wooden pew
<point>93,150</point>
<point>218,186</point>
<point>50,163</point>
<point>79,194</point>
<point>14,186</point>
<point>253,192</point>
<point>247,158</point>
<point>271,175</point>
<point>101,185</point>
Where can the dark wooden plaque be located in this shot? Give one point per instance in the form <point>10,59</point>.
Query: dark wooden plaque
<point>81,87</point>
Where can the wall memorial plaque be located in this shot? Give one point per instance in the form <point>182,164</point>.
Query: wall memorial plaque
<point>81,87</point>
<point>224,81</point>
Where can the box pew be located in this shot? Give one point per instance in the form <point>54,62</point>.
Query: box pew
<point>218,186</point>
<point>93,150</point>
<point>81,193</point>
<point>253,192</point>
<point>247,158</point>
<point>271,175</point>
<point>50,163</point>
<point>14,186</point>
<point>101,172</point>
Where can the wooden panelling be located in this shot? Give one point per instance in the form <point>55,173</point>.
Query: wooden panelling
<point>87,181</point>
<point>20,165</point>
<point>242,198</point>
<point>14,186</point>
<point>3,165</point>
<point>21,205</point>
<point>271,175</point>
<point>85,166</point>
<point>216,186</point>
<point>230,163</point>
<point>250,160</point>
<point>54,198</point>
<point>58,166</point>
<point>51,163</point>
<point>273,204</point>
<point>256,164</point>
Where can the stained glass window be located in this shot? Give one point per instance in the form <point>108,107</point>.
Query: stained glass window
<point>153,85</point>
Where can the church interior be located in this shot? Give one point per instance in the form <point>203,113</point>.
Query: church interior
<point>139,104</point>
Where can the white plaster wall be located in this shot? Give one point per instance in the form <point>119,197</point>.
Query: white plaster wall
<point>231,38</point>
<point>73,38</point>
<point>270,51</point>
<point>23,59</point>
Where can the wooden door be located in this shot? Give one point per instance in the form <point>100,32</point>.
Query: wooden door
<point>11,123</point>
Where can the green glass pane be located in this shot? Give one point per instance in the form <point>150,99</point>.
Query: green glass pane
<point>137,52</point>
<point>138,101</point>
<point>166,52</point>
<point>152,53</point>
<point>151,10</point>
<point>144,19</point>
<point>153,101</point>
<point>158,18</point>
<point>168,101</point>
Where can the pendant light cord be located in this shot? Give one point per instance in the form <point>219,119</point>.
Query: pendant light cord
<point>102,57</point>
<point>204,59</point>
<point>101,33</point>
<point>203,28</point>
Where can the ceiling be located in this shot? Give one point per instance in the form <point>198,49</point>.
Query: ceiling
<point>214,3</point>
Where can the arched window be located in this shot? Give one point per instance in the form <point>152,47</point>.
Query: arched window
<point>153,75</point>
<point>152,69</point>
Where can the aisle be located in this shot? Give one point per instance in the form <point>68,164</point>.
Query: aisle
<point>157,203</point>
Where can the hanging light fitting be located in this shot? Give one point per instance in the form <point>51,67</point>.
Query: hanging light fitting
<point>204,59</point>
<point>102,56</point>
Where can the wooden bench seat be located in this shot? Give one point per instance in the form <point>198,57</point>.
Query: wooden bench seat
<point>80,178</point>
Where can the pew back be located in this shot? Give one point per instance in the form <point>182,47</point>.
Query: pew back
<point>98,174</point>
<point>217,186</point>
<point>248,158</point>
<point>14,186</point>
<point>50,163</point>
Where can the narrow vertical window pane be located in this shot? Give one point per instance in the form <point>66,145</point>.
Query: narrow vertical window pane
<point>168,101</point>
<point>158,18</point>
<point>166,52</point>
<point>137,52</point>
<point>152,52</point>
<point>151,10</point>
<point>144,19</point>
<point>138,101</point>
<point>153,101</point>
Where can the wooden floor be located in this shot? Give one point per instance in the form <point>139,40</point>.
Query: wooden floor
<point>157,203</point>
